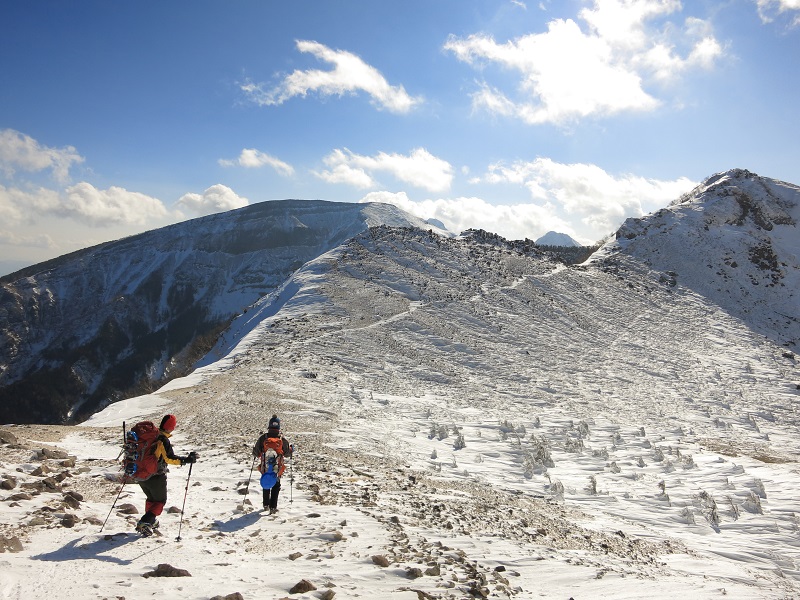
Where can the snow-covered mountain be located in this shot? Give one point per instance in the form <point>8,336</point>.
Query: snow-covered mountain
<point>124,317</point>
<point>553,238</point>
<point>472,418</point>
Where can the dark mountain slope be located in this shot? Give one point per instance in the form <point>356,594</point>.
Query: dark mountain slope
<point>122,318</point>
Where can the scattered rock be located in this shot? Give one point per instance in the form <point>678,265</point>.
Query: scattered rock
<point>36,522</point>
<point>77,495</point>
<point>295,555</point>
<point>499,568</point>
<point>313,516</point>
<point>9,483</point>
<point>7,437</point>
<point>54,454</point>
<point>233,596</point>
<point>327,595</point>
<point>69,520</point>
<point>433,571</point>
<point>127,509</point>
<point>413,572</point>
<point>166,570</point>
<point>69,463</point>
<point>302,586</point>
<point>12,544</point>
<point>40,471</point>
<point>174,510</point>
<point>71,501</point>
<point>380,560</point>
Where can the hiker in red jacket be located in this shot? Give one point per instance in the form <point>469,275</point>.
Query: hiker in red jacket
<point>271,449</point>
<point>155,488</point>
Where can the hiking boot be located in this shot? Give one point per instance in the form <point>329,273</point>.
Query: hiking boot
<point>145,528</point>
<point>272,511</point>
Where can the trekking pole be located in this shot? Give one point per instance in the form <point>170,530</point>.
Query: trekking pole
<point>124,481</point>
<point>186,493</point>
<point>124,478</point>
<point>291,477</point>
<point>253,466</point>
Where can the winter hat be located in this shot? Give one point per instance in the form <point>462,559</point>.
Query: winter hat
<point>168,423</point>
<point>274,422</point>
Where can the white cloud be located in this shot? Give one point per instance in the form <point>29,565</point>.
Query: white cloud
<point>567,73</point>
<point>350,75</point>
<point>9,238</point>
<point>21,152</point>
<point>600,200</point>
<point>250,158</point>
<point>22,206</point>
<point>768,10</point>
<point>581,200</point>
<point>114,206</point>
<point>217,198</point>
<point>420,169</point>
<point>517,221</point>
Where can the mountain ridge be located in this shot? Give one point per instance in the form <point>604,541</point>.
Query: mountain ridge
<point>124,317</point>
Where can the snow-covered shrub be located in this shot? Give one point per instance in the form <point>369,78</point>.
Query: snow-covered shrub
<point>591,488</point>
<point>734,509</point>
<point>613,467</point>
<point>583,429</point>
<point>442,433</point>
<point>557,490</point>
<point>708,506</point>
<point>459,443</point>
<point>434,455</point>
<point>600,454</point>
<point>687,515</point>
<point>658,455</point>
<point>753,504</point>
<point>759,488</point>
<point>640,462</point>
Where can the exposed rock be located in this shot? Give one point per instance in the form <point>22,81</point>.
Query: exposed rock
<point>233,596</point>
<point>413,572</point>
<point>54,454</point>
<point>12,544</point>
<point>327,595</point>
<point>9,483</point>
<point>69,520</point>
<point>40,471</point>
<point>7,437</point>
<point>295,555</point>
<point>380,560</point>
<point>166,570</point>
<point>174,510</point>
<point>302,586</point>
<point>127,509</point>
<point>69,463</point>
<point>433,571</point>
<point>19,496</point>
<point>71,501</point>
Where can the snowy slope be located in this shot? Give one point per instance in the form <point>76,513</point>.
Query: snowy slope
<point>121,318</point>
<point>491,422</point>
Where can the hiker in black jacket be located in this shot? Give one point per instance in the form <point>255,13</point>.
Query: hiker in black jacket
<point>155,488</point>
<point>272,440</point>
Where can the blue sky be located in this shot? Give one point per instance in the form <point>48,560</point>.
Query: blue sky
<point>519,117</point>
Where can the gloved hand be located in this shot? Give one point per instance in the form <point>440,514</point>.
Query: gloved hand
<point>191,459</point>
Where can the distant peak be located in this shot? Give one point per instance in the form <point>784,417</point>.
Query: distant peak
<point>553,238</point>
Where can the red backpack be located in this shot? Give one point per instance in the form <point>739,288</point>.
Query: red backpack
<point>140,462</point>
<point>272,456</point>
